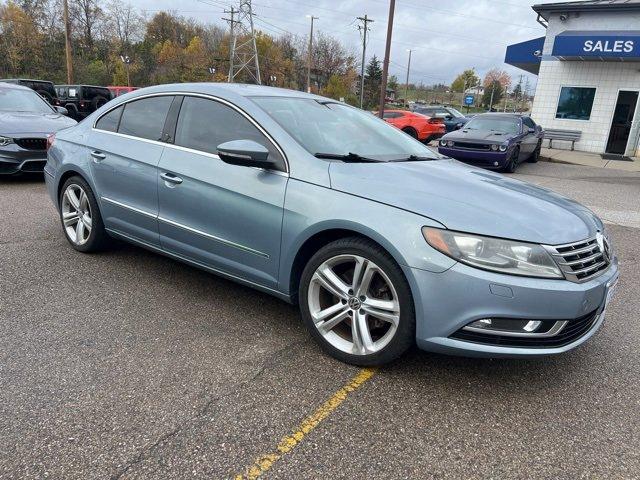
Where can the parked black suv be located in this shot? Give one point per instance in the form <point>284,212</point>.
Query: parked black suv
<point>44,88</point>
<point>82,100</point>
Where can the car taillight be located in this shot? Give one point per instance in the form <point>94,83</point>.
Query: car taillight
<point>50,139</point>
<point>435,120</point>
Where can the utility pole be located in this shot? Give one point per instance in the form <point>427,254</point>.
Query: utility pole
<point>364,29</point>
<point>387,52</point>
<point>126,60</point>
<point>517,101</point>
<point>232,22</point>
<point>67,41</point>
<point>244,51</point>
<point>310,53</point>
<point>406,86</point>
<point>493,90</point>
<point>525,93</point>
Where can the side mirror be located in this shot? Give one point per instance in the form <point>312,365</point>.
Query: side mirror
<point>245,153</point>
<point>459,126</point>
<point>448,118</point>
<point>532,130</point>
<point>61,110</point>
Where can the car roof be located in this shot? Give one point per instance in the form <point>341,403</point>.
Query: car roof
<point>27,80</point>
<point>81,85</point>
<point>514,116</point>
<point>13,86</point>
<point>223,89</point>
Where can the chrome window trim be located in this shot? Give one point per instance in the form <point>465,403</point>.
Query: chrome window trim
<point>185,227</point>
<point>215,98</point>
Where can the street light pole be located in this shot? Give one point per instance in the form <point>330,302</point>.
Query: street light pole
<point>406,87</point>
<point>310,53</point>
<point>387,52</point>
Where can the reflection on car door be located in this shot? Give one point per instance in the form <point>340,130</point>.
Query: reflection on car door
<point>529,140</point>
<point>125,151</point>
<point>227,217</point>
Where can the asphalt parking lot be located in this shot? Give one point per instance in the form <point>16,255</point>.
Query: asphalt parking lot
<point>126,364</point>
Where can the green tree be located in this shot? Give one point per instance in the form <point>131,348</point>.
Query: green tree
<point>372,82</point>
<point>392,82</point>
<point>493,93</point>
<point>466,79</point>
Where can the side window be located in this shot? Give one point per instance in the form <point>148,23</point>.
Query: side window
<point>528,123</point>
<point>110,121</point>
<point>204,124</point>
<point>145,118</point>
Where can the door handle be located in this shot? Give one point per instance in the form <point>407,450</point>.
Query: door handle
<point>171,178</point>
<point>97,156</point>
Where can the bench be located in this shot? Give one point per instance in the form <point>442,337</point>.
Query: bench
<point>552,134</point>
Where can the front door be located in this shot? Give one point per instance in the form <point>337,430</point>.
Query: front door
<point>622,122</point>
<point>228,217</point>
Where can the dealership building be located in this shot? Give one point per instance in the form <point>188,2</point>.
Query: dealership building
<point>588,67</point>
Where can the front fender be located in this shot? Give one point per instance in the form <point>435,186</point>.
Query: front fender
<point>311,209</point>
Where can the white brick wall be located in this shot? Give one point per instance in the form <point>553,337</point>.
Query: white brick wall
<point>607,77</point>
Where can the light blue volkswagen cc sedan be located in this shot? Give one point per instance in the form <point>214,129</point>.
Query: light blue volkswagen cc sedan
<point>381,242</point>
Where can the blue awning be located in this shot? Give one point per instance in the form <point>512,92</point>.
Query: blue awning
<point>616,46</point>
<point>525,55</point>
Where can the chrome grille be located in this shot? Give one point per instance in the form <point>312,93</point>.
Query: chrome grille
<point>583,260</point>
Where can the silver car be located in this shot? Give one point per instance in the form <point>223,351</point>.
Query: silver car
<point>382,242</point>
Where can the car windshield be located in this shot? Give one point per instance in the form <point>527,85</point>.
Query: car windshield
<point>14,100</point>
<point>336,129</point>
<point>494,124</point>
<point>455,112</point>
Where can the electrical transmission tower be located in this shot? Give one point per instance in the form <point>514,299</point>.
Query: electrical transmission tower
<point>244,52</point>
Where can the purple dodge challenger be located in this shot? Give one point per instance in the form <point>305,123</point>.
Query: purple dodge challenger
<point>498,141</point>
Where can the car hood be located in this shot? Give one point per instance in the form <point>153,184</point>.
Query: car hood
<point>25,122</point>
<point>469,199</point>
<point>479,135</point>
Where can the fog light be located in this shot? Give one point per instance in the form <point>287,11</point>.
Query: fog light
<point>495,164</point>
<point>516,328</point>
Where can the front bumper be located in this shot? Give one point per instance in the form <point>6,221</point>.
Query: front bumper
<point>33,162</point>
<point>480,158</point>
<point>447,301</point>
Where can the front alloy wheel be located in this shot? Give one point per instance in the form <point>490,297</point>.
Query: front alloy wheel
<point>356,302</point>
<point>76,214</point>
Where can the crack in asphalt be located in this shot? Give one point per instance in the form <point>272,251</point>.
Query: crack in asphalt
<point>271,359</point>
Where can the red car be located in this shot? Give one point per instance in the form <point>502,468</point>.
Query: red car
<point>116,91</point>
<point>417,125</point>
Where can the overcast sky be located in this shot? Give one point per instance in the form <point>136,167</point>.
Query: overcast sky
<point>446,37</point>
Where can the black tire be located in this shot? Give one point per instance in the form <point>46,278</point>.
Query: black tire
<point>535,156</point>
<point>98,238</point>
<point>512,164</point>
<point>97,102</point>
<point>411,132</point>
<point>404,337</point>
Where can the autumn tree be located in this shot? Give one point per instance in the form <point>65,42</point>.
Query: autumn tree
<point>467,79</point>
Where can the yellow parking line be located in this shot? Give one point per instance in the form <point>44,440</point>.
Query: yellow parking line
<point>288,443</point>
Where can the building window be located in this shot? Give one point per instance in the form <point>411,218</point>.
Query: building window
<point>575,103</point>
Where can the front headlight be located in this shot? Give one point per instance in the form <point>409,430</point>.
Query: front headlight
<point>443,143</point>
<point>503,148</point>
<point>4,141</point>
<point>494,147</point>
<point>496,254</point>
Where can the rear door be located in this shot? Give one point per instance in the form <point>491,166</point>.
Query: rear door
<point>125,148</point>
<point>228,217</point>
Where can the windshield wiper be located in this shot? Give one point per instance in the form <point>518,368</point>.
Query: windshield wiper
<point>413,158</point>
<point>349,157</point>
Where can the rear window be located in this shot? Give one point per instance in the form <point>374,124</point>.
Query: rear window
<point>145,118</point>
<point>110,121</point>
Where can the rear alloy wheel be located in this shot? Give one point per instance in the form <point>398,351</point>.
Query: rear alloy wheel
<point>357,304</point>
<point>80,216</point>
